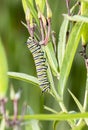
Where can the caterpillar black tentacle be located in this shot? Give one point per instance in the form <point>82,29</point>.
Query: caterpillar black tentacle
<point>40,63</point>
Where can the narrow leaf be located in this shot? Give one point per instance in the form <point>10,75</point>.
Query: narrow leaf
<point>84,0</point>
<point>86,93</point>
<point>81,108</point>
<point>24,77</point>
<point>71,48</point>
<point>3,72</point>
<point>77,102</point>
<point>32,125</point>
<point>62,36</point>
<point>62,41</point>
<point>2,124</point>
<point>50,109</point>
<point>52,59</point>
<point>82,126</point>
<point>76,18</point>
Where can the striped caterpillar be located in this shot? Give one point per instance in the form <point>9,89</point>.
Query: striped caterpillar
<point>39,60</point>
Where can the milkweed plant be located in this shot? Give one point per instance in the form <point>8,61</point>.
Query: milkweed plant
<point>53,62</point>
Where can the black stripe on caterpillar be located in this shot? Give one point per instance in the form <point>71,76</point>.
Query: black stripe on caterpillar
<point>40,63</point>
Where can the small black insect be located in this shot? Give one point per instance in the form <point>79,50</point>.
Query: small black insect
<point>39,60</point>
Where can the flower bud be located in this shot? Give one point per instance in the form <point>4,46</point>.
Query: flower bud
<point>12,93</point>
<point>40,4</point>
<point>49,12</point>
<point>28,14</point>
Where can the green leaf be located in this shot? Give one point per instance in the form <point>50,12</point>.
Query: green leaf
<point>62,41</point>
<point>77,102</point>
<point>24,77</point>
<point>52,58</point>
<point>3,72</point>
<point>55,123</point>
<point>62,36</point>
<point>81,108</point>
<point>50,109</point>
<point>71,48</point>
<point>2,124</point>
<point>76,18</point>
<point>32,125</point>
<point>86,93</point>
<point>84,12</point>
<point>84,0</point>
<point>80,127</point>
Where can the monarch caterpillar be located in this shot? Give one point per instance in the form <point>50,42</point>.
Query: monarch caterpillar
<point>39,60</point>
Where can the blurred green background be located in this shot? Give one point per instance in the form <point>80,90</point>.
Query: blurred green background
<point>14,35</point>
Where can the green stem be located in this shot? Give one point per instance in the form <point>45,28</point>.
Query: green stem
<point>60,116</point>
<point>54,92</point>
<point>56,95</point>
